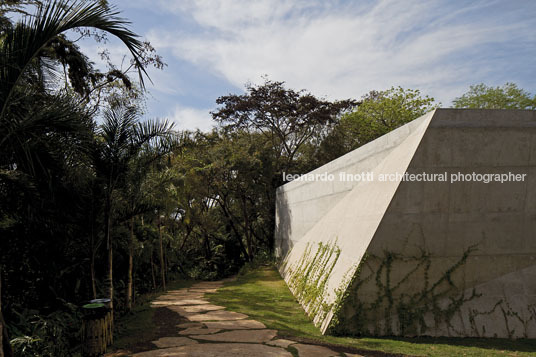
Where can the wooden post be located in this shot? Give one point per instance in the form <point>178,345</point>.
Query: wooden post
<point>97,334</point>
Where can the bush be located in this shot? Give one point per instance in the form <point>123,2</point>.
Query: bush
<point>56,334</point>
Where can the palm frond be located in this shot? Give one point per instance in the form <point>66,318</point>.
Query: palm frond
<point>117,131</point>
<point>27,136</point>
<point>24,42</point>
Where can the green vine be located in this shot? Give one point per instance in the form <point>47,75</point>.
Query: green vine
<point>507,313</point>
<point>309,276</point>
<point>392,305</point>
<point>374,298</point>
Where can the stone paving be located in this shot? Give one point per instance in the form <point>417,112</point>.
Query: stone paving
<point>213,331</point>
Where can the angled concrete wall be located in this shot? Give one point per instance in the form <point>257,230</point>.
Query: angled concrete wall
<point>300,204</point>
<point>420,258</point>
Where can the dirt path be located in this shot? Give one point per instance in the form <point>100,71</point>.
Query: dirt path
<point>210,330</point>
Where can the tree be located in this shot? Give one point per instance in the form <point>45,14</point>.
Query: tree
<point>29,107</point>
<point>287,119</point>
<point>509,96</point>
<point>275,123</point>
<point>121,139</point>
<point>377,113</point>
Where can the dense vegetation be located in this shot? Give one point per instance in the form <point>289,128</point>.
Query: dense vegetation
<point>96,200</point>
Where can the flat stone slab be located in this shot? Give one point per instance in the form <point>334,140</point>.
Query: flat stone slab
<point>208,284</point>
<point>182,297</point>
<point>243,338</point>
<point>199,331</point>
<point>182,290</point>
<point>202,308</point>
<point>250,336</point>
<point>204,290</point>
<point>235,325</point>
<point>166,342</point>
<point>181,302</point>
<point>190,324</point>
<point>179,293</point>
<point>218,349</point>
<point>281,343</point>
<point>180,310</point>
<point>314,351</point>
<point>220,315</point>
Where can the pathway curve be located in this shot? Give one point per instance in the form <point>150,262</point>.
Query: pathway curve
<point>213,331</point>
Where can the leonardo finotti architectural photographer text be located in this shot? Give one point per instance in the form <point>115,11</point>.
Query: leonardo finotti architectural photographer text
<point>418,177</point>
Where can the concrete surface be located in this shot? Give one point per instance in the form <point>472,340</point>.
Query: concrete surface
<point>470,241</point>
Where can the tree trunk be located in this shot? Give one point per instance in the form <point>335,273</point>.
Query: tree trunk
<point>162,265</point>
<point>166,263</point>
<point>5,347</point>
<point>108,237</point>
<point>152,271</point>
<point>92,272</point>
<point>247,231</point>
<point>130,265</point>
<point>235,230</point>
<point>93,252</point>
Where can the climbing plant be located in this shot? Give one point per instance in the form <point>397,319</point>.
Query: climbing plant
<point>396,302</point>
<point>309,276</point>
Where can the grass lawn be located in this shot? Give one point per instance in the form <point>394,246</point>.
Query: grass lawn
<point>264,296</point>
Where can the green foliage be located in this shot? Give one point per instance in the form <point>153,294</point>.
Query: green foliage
<point>75,196</point>
<point>400,297</point>
<point>508,96</point>
<point>228,177</point>
<point>377,113</point>
<point>50,201</point>
<point>309,276</point>
<point>287,122</point>
<point>55,334</point>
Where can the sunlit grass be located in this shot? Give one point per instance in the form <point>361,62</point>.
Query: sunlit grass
<point>264,296</point>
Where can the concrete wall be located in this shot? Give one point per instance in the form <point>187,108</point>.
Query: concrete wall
<point>427,243</point>
<point>300,204</point>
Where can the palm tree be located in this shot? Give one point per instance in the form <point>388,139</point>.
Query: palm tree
<point>142,193</point>
<point>22,61</point>
<point>121,138</point>
<point>22,57</point>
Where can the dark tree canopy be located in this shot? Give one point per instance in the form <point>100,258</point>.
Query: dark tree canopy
<point>286,117</point>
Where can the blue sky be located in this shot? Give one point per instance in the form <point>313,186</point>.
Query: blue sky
<point>334,49</point>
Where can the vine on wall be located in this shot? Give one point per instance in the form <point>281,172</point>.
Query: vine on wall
<point>393,294</point>
<point>309,276</point>
<point>395,309</point>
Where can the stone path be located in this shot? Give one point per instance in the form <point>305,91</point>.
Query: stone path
<point>213,331</point>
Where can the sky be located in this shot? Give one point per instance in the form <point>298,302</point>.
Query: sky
<point>333,49</point>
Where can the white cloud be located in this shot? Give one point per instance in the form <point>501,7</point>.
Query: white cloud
<point>338,51</point>
<point>192,118</point>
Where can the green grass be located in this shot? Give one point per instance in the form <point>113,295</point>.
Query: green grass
<point>139,325</point>
<point>264,296</point>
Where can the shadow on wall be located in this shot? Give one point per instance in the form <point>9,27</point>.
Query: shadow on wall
<point>283,228</point>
